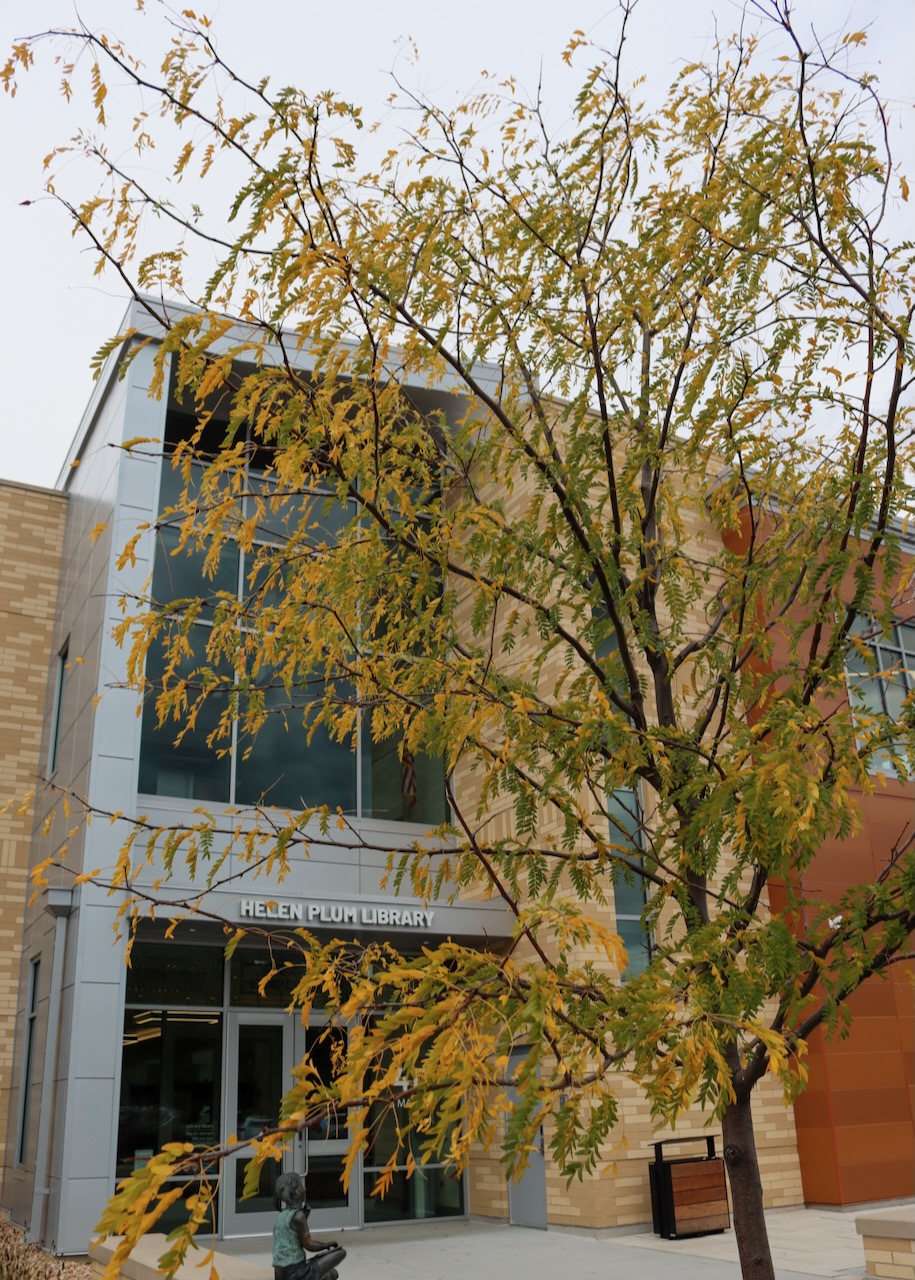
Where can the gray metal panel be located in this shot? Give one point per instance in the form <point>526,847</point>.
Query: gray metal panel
<point>81,1205</point>
<point>113,776</point>
<point>91,1109</point>
<point>99,1026</point>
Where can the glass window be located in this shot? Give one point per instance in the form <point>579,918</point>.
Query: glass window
<point>285,764</point>
<point>190,767</point>
<point>260,1080</point>
<point>282,511</point>
<point>176,1215</point>
<point>625,819</point>
<point>170,1082</point>
<point>248,968</point>
<point>325,1181</point>
<point>400,785</point>
<point>881,676</point>
<point>250,964</point>
<point>280,766</point>
<point>262,1201</point>
<point>60,683</point>
<point>180,575</point>
<point>174,973</point>
<point>28,1064</point>
<point>635,939</point>
<point>322,1044</point>
<point>434,1191</point>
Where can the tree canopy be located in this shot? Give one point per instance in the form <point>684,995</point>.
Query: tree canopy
<point>614,573</point>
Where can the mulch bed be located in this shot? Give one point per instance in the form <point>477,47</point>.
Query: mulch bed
<point>21,1261</point>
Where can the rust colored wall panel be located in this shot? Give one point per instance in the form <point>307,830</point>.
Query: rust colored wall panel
<point>849,1072</point>
<point>864,1084</point>
<point>868,1144</point>
<point>879,1034</point>
<point>881,1106</point>
<point>819,1170</point>
<point>877,1181</point>
<point>856,1124</point>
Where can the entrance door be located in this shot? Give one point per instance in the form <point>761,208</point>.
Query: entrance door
<point>527,1197</point>
<point>263,1048</point>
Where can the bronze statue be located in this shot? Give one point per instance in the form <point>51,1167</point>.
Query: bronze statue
<point>292,1239</point>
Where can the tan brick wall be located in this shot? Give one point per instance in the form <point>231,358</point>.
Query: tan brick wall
<point>618,1194</point>
<point>487,1187</point>
<point>31,536</point>
<point>887,1257</point>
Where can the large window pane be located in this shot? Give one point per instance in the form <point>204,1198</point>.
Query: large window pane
<point>260,1078</point>
<point>172,485</point>
<point>322,1043</point>
<point>628,899</point>
<point>189,768</point>
<point>409,788</point>
<point>625,820</point>
<point>283,511</point>
<point>170,1076</point>
<point>262,1201</point>
<point>281,767</point>
<point>260,1087</point>
<point>28,1069</point>
<point>179,575</point>
<point>277,766</point>
<point>436,1192</point>
<point>176,1215</point>
<point>635,940</point>
<point>880,686</point>
<point>325,1181</point>
<point>174,973</point>
<point>248,968</point>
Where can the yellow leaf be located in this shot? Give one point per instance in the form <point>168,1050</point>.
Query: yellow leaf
<point>135,440</point>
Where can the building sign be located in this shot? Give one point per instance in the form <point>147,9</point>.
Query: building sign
<point>362,915</point>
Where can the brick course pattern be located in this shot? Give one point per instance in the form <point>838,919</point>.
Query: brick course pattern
<point>888,1236</point>
<point>31,538</point>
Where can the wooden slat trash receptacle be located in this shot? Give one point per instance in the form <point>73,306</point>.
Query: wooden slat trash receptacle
<point>689,1195</point>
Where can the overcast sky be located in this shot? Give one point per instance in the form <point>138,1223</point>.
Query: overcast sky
<point>57,313</point>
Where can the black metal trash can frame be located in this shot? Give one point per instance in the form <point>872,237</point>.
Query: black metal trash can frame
<point>689,1195</point>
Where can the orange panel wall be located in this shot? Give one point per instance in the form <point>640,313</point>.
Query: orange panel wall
<point>856,1121</point>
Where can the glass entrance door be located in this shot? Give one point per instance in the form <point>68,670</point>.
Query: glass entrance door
<point>322,1147</point>
<point>263,1049</point>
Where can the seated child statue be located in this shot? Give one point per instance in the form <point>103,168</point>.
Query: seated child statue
<point>292,1239</point>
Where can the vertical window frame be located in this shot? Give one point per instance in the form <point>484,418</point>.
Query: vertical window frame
<point>894,661</point>
<point>56,723</point>
<point>30,1041</point>
<point>616,832</point>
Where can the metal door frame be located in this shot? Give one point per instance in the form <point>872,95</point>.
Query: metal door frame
<point>233,1223</point>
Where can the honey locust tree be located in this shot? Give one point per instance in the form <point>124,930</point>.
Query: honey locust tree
<point>629,572</point>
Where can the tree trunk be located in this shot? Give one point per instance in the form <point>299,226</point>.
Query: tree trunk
<point>746,1192</point>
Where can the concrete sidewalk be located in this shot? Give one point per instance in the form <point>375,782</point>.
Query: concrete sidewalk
<point>805,1242</point>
